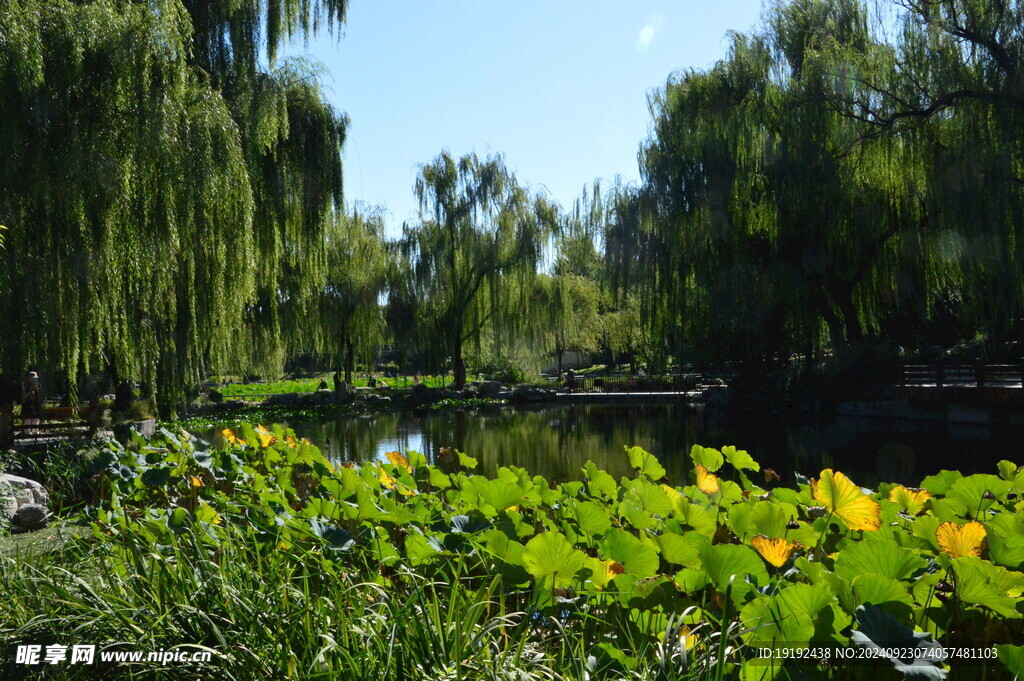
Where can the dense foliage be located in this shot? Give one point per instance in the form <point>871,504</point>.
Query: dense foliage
<point>471,261</point>
<point>635,576</point>
<point>849,172</point>
<point>164,187</point>
<point>848,176</point>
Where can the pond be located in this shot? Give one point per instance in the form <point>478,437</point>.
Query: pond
<point>555,440</point>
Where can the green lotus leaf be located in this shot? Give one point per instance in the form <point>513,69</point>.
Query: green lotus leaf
<point>974,492</point>
<point>763,517</point>
<point>1013,658</point>
<point>723,561</point>
<point>880,557</point>
<point>769,622</point>
<point>592,518</point>
<point>693,516</point>
<point>1008,551</point>
<point>645,463</point>
<point>648,496</point>
<point>885,592</point>
<point>924,528</point>
<point>940,483</point>
<point>1008,470</point>
<point>466,461</point>
<point>552,560</point>
<point>981,583</point>
<point>439,479</point>
<point>468,524</point>
<point>156,477</point>
<point>633,555</point>
<point>706,456</point>
<point>739,459</point>
<point>763,669</point>
<point>416,460</point>
<point>599,482</point>
<point>498,494</point>
<point>691,580</point>
<point>636,516</point>
<point>508,550</point>
<point>418,550</point>
<point>789,496</point>
<point>677,550</point>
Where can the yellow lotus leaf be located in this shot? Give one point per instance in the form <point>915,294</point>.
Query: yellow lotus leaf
<point>846,501</point>
<point>397,459</point>
<point>961,540</point>
<point>911,501</point>
<point>687,637</point>
<point>706,482</point>
<point>196,482</point>
<point>775,551</point>
<point>384,478</point>
<point>229,436</point>
<point>608,568</point>
<point>266,437</point>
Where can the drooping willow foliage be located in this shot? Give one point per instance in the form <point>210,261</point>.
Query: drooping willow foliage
<point>472,258</point>
<point>165,190</point>
<point>348,323</point>
<point>827,184</point>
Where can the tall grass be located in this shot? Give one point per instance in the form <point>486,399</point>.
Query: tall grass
<point>283,614</point>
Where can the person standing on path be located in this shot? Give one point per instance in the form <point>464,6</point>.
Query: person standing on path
<point>32,403</point>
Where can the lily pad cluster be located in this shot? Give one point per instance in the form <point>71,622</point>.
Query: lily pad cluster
<point>728,570</point>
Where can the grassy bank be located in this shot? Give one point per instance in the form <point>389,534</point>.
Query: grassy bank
<point>240,390</point>
<point>286,566</point>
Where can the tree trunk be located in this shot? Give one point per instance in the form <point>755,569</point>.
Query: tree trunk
<point>350,361</point>
<point>124,395</point>
<point>835,325</point>
<point>460,364</point>
<point>851,320</point>
<point>559,361</point>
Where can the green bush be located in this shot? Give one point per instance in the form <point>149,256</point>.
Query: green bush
<point>500,369</point>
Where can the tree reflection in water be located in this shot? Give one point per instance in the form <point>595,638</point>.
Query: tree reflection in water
<point>556,440</point>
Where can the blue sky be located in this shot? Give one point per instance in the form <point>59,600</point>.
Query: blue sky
<point>559,87</point>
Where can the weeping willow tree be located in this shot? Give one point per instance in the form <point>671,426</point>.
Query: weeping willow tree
<point>480,241</point>
<point>165,191</point>
<point>570,320</point>
<point>349,312</point>
<point>568,302</point>
<point>773,222</point>
<point>953,89</point>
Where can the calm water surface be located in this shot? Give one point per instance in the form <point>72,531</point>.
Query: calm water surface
<point>556,440</point>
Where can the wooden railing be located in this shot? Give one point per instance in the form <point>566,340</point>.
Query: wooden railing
<point>54,422</point>
<point>969,375</point>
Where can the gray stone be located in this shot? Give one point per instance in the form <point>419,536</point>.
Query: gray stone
<point>23,502</point>
<point>8,501</point>
<point>29,490</point>
<point>421,394</point>
<point>525,393</point>
<point>489,389</point>
<point>30,517</point>
<point>146,428</point>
